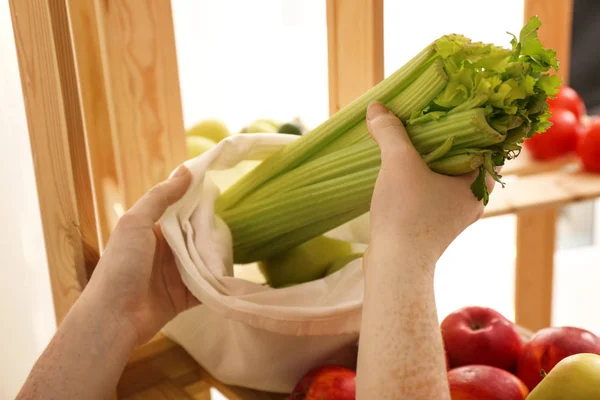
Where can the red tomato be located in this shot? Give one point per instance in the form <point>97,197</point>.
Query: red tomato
<point>559,140</point>
<point>568,98</point>
<point>588,148</point>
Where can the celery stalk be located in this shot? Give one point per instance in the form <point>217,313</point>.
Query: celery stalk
<point>457,165</point>
<point>320,137</point>
<point>416,96</point>
<point>360,156</point>
<point>466,106</point>
<point>440,151</point>
<point>467,127</point>
<point>295,237</point>
<point>248,224</point>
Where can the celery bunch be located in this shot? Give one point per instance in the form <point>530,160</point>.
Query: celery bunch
<point>466,106</point>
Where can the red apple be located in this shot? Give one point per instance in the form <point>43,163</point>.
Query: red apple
<point>329,382</point>
<point>304,383</point>
<point>482,382</point>
<point>480,335</point>
<point>550,345</point>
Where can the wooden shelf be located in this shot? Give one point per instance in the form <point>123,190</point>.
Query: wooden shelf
<point>161,369</point>
<point>541,190</point>
<point>526,165</point>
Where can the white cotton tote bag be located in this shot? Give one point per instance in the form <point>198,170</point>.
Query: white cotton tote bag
<point>245,333</point>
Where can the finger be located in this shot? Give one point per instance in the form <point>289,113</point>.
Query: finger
<point>154,203</point>
<point>389,133</point>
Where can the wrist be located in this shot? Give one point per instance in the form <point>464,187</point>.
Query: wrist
<point>113,329</point>
<point>393,254</point>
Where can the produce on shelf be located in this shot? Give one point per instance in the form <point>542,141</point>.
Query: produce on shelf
<point>212,129</point>
<point>576,377</point>
<point>290,128</point>
<point>549,346</point>
<point>557,363</point>
<point>196,145</point>
<point>560,140</point>
<point>262,126</point>
<point>484,382</point>
<point>588,148</point>
<point>568,99</point>
<point>467,106</point>
<point>329,382</point>
<point>295,127</point>
<point>307,262</point>
<point>573,132</point>
<point>481,335</point>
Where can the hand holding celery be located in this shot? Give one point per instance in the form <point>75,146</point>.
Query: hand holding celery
<point>467,106</point>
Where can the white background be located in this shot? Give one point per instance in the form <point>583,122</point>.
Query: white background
<point>242,60</point>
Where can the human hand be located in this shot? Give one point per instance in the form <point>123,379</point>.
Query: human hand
<point>136,277</point>
<point>412,205</point>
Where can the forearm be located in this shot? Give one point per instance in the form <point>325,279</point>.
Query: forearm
<point>400,352</point>
<point>85,357</point>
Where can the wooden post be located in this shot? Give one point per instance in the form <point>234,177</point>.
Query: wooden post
<point>137,47</point>
<point>536,230</point>
<point>94,104</point>
<point>55,130</point>
<point>355,47</point>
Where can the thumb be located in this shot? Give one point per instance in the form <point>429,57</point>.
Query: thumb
<point>154,203</point>
<point>389,133</point>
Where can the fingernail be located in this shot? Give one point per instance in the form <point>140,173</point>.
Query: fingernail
<point>179,172</point>
<point>375,110</point>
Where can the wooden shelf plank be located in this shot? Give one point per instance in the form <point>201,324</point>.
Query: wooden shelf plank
<point>526,165</point>
<point>92,90</point>
<point>549,189</point>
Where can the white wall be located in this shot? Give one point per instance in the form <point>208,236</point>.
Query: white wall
<point>244,60</point>
<point>26,311</point>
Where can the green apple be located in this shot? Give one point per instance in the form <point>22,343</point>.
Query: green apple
<point>212,129</point>
<point>342,262</point>
<point>262,126</point>
<point>197,145</point>
<point>304,263</point>
<point>576,377</point>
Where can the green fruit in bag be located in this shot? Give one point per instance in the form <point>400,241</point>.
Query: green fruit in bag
<point>307,262</point>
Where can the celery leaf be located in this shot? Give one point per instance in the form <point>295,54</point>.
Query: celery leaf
<point>479,188</point>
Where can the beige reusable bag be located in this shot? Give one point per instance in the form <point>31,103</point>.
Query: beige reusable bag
<point>245,333</point>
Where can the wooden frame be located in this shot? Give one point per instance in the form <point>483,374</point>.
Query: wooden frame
<point>92,101</point>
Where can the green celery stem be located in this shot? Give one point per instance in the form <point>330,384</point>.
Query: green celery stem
<point>259,222</point>
<point>319,138</point>
<point>469,128</point>
<point>296,237</point>
<point>457,165</point>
